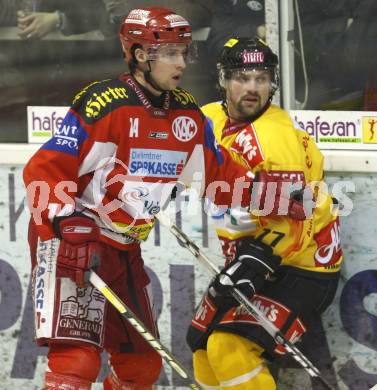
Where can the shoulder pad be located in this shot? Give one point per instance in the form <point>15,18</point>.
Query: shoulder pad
<point>184,98</point>
<point>82,93</point>
<point>212,109</point>
<point>99,98</point>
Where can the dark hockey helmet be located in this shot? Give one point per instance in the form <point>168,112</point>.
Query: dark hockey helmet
<point>153,26</point>
<point>247,53</point>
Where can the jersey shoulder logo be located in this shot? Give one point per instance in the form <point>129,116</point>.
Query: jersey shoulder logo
<point>99,102</point>
<point>83,91</point>
<point>184,128</point>
<point>183,97</point>
<point>98,99</point>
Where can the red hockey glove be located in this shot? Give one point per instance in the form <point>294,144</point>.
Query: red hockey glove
<point>278,196</point>
<point>79,249</point>
<point>253,264</point>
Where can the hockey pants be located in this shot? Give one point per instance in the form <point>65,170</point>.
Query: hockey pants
<point>231,362</point>
<point>77,367</point>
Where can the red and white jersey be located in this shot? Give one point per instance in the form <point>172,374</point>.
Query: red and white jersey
<point>116,158</point>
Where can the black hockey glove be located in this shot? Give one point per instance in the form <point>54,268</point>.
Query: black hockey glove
<point>254,262</point>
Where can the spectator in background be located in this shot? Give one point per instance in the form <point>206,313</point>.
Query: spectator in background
<point>234,18</point>
<point>67,62</point>
<point>67,16</point>
<point>37,24</point>
<point>362,50</point>
<point>229,18</point>
<point>197,11</point>
<point>12,80</point>
<point>7,13</point>
<point>324,25</point>
<point>46,72</point>
<point>337,32</point>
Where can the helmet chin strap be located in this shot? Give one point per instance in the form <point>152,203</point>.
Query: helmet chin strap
<point>149,79</point>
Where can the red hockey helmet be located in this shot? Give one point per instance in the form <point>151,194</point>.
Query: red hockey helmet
<point>153,26</point>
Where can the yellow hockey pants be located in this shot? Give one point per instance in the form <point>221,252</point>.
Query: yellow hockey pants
<point>231,362</point>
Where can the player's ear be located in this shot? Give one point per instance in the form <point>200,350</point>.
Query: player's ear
<point>141,55</point>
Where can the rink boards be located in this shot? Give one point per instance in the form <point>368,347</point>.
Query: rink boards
<point>344,343</point>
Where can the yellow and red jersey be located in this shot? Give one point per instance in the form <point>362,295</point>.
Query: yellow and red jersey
<point>116,158</point>
<point>275,143</point>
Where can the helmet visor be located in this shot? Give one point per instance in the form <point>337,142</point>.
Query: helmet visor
<point>261,77</point>
<point>172,53</point>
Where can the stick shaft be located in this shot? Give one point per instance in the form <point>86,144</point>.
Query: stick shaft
<point>131,317</point>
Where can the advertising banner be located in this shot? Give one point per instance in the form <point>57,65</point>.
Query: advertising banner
<point>341,130</point>
<point>43,122</point>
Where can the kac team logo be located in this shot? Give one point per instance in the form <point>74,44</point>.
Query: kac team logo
<point>184,128</point>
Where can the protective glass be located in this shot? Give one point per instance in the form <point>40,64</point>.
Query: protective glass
<point>172,53</point>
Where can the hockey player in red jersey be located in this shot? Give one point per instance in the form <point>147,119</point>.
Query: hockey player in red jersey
<point>288,265</point>
<point>93,190</point>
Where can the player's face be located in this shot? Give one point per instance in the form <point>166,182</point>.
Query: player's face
<point>167,69</point>
<point>247,92</point>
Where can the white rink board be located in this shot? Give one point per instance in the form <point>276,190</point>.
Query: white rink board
<point>350,323</point>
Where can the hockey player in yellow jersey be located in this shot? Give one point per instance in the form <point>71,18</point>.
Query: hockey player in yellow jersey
<point>285,257</point>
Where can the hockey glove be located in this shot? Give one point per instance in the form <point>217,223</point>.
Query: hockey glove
<point>281,197</point>
<point>79,249</point>
<point>207,315</point>
<point>253,264</point>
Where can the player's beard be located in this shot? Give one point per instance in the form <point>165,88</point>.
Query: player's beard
<point>246,111</point>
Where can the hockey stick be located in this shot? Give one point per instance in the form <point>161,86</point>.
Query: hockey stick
<point>131,317</point>
<point>271,329</point>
